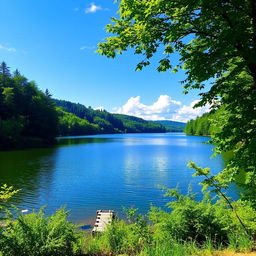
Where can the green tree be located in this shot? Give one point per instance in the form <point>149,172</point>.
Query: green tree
<point>16,72</point>
<point>215,40</point>
<point>27,115</point>
<point>4,69</point>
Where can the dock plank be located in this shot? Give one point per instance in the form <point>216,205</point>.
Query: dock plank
<point>103,219</point>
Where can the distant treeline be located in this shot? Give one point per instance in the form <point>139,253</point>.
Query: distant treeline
<point>30,117</point>
<point>172,126</point>
<point>206,125</point>
<point>76,119</point>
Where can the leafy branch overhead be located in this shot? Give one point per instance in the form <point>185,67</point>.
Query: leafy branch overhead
<point>207,45</point>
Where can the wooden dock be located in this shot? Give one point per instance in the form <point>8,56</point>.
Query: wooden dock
<point>103,219</point>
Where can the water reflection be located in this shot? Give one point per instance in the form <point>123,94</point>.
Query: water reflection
<point>74,140</point>
<point>28,170</point>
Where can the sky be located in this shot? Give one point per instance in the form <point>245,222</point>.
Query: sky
<point>53,42</point>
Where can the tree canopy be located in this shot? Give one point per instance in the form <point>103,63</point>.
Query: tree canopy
<point>27,115</point>
<point>216,42</point>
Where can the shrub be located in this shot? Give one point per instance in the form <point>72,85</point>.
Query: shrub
<point>39,235</point>
<point>199,221</point>
<point>122,237</point>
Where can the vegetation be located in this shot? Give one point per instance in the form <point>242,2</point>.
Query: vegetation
<point>134,124</point>
<point>172,126</point>
<point>36,234</point>
<point>70,124</point>
<point>27,115</point>
<point>190,228</point>
<point>206,125</point>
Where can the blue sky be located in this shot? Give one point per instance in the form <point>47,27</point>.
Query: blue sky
<point>53,43</point>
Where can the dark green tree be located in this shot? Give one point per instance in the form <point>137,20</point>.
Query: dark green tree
<point>4,69</point>
<point>27,116</point>
<point>47,93</point>
<point>16,73</point>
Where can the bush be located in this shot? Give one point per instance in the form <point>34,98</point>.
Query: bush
<point>199,221</point>
<point>122,237</point>
<point>39,235</point>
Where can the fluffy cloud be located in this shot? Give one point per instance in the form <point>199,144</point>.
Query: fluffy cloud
<point>186,113</point>
<point>93,8</point>
<point>8,49</point>
<point>165,108</point>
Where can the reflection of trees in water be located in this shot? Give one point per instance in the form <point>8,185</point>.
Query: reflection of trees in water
<point>26,170</point>
<point>68,141</point>
<point>32,170</point>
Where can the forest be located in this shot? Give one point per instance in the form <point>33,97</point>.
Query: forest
<point>27,115</point>
<point>31,118</point>
<point>206,125</point>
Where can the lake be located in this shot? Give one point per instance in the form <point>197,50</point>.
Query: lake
<point>88,173</point>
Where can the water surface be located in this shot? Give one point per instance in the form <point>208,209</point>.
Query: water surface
<point>87,173</point>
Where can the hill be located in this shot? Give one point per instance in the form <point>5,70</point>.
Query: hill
<point>134,124</point>
<point>100,121</point>
<point>172,126</point>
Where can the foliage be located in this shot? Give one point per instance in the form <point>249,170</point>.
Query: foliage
<point>216,44</point>
<point>122,237</point>
<point>37,234</point>
<point>134,124</point>
<point>70,124</point>
<point>27,115</point>
<point>6,192</point>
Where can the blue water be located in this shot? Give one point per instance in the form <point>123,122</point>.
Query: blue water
<point>88,173</point>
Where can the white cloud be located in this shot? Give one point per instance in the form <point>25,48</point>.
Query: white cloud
<point>101,108</point>
<point>8,49</point>
<point>165,108</point>
<point>93,8</point>
<point>186,113</point>
<point>87,48</point>
<point>162,109</point>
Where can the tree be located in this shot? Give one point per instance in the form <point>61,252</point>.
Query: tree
<point>215,40</point>
<point>27,115</point>
<point>47,93</point>
<point>4,69</point>
<point>16,73</point>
